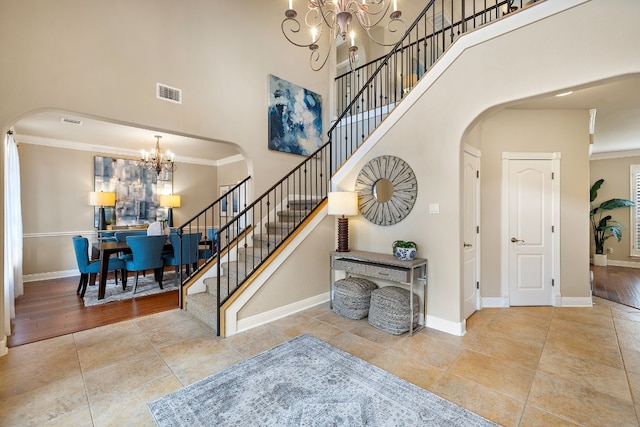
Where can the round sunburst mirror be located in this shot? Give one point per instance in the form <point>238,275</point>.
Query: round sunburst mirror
<point>388,189</point>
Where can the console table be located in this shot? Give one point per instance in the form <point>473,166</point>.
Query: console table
<point>383,266</point>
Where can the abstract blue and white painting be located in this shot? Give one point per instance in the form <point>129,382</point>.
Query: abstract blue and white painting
<point>295,118</point>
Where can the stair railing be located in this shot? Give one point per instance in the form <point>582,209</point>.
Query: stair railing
<point>248,239</point>
<point>257,231</point>
<point>207,222</point>
<point>380,84</point>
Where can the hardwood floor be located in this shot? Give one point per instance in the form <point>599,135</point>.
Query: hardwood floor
<point>618,284</point>
<point>50,308</point>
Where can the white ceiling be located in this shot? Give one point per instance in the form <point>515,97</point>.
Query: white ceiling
<point>617,127</point>
<point>47,128</point>
<point>617,104</point>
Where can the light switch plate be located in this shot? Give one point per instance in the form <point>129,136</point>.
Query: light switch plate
<point>434,208</point>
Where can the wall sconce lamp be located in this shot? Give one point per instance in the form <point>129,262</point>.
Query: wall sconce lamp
<point>343,203</point>
<point>102,199</point>
<point>169,201</point>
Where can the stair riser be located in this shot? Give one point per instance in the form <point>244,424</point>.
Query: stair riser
<point>291,216</point>
<point>249,255</point>
<point>202,308</point>
<point>302,205</point>
<point>279,228</point>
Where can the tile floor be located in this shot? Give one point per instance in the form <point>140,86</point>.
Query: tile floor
<point>522,366</point>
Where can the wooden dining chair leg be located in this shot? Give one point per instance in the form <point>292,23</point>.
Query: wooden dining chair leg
<point>159,273</point>
<point>123,273</point>
<point>135,283</point>
<point>92,278</point>
<point>85,280</point>
<point>81,282</point>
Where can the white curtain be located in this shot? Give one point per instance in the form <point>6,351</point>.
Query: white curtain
<point>13,286</point>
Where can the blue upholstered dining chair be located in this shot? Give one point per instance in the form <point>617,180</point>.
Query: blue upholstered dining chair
<point>185,251</point>
<point>90,268</point>
<point>212,234</point>
<point>146,254</point>
<point>121,236</point>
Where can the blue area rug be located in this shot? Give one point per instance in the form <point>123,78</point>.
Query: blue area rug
<point>307,382</point>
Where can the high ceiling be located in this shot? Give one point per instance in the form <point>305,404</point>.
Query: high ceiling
<point>49,128</point>
<point>617,127</point>
<point>617,104</point>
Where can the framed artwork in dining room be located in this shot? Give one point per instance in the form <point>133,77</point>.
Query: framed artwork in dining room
<point>294,117</point>
<point>136,189</point>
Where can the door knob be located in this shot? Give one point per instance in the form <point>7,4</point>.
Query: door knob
<point>514,240</point>
<point>468,245</point>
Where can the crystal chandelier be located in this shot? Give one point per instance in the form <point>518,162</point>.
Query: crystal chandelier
<point>156,160</point>
<point>337,15</point>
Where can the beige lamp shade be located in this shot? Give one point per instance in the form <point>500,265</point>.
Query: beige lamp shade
<point>343,203</point>
<point>102,198</point>
<point>169,200</point>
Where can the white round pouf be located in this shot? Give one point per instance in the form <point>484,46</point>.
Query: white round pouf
<point>351,297</point>
<point>390,310</point>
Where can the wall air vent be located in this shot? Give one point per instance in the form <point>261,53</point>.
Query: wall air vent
<point>168,93</point>
<point>439,22</point>
<point>69,121</point>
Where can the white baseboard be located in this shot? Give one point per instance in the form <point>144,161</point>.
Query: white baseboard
<point>576,302</point>
<point>50,275</point>
<point>497,302</point>
<point>630,264</point>
<point>453,328</point>
<point>280,312</point>
<point>494,302</point>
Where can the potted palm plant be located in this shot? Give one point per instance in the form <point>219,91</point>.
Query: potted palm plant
<point>602,225</point>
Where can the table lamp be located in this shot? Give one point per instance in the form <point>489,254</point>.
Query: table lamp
<point>169,201</point>
<point>343,203</point>
<point>102,199</point>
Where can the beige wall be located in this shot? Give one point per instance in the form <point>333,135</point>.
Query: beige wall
<point>617,182</point>
<point>232,173</point>
<point>291,283</point>
<point>563,131</point>
<point>104,58</point>
<point>485,78</point>
<point>55,185</point>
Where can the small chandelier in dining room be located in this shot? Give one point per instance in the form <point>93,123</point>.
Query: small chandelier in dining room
<point>336,16</point>
<point>156,160</point>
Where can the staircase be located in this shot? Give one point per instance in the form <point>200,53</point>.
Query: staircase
<point>254,234</point>
<point>241,262</point>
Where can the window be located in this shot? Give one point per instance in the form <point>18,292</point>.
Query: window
<point>634,233</point>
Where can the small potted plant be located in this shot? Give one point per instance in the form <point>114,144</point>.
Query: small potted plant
<point>405,250</point>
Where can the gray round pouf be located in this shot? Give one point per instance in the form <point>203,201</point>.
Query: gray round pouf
<point>351,297</point>
<point>390,310</point>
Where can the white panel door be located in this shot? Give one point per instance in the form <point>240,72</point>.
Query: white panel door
<point>470,234</point>
<point>530,233</point>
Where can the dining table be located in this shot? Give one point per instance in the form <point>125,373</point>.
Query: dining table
<point>102,250</point>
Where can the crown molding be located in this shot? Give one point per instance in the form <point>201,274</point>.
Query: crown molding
<point>615,154</point>
<point>84,146</point>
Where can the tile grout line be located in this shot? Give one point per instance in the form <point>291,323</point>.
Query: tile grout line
<point>624,365</point>
<point>84,382</point>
